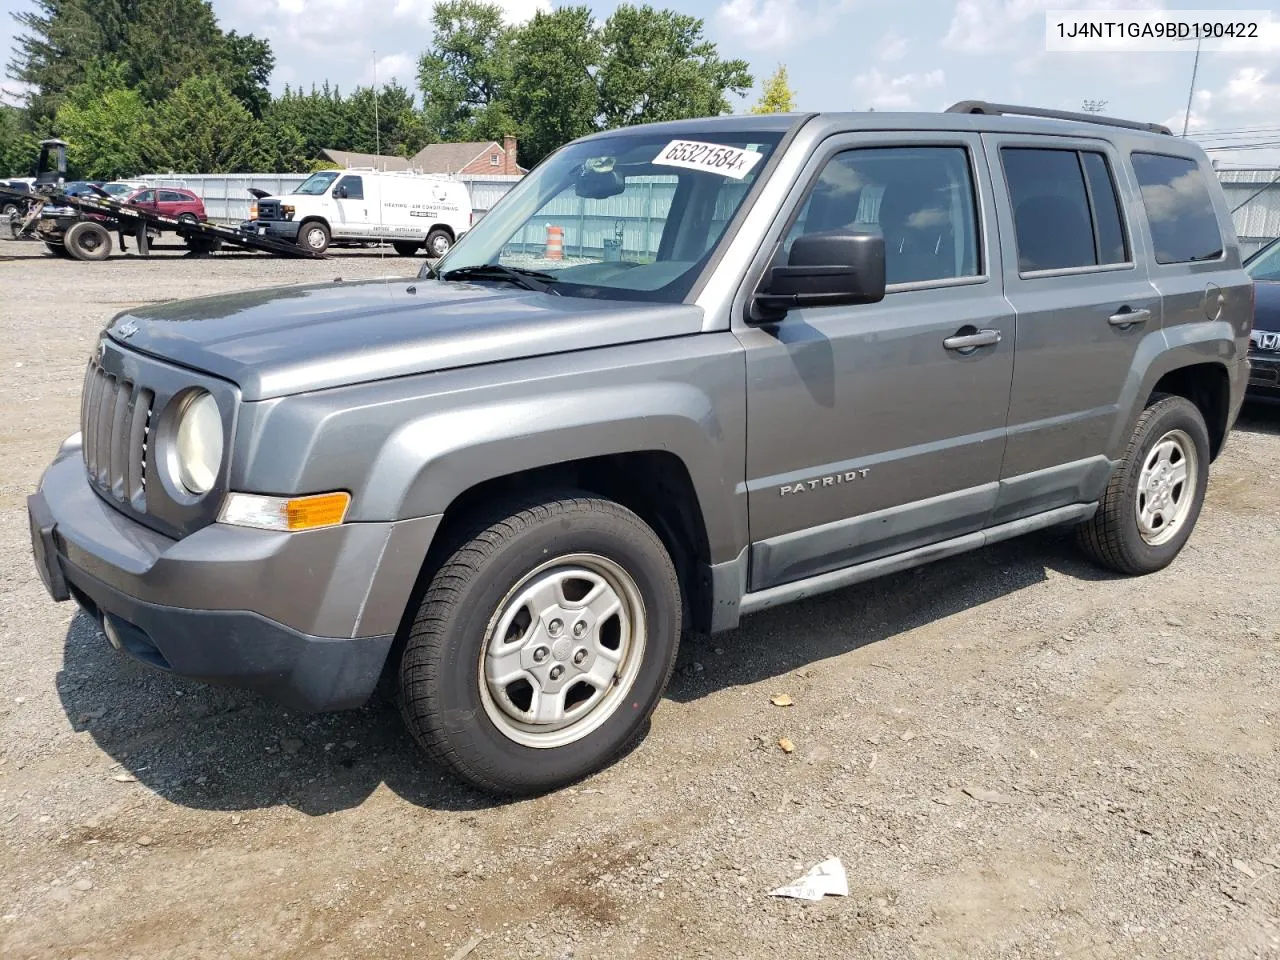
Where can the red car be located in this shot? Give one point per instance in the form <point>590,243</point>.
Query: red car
<point>170,202</point>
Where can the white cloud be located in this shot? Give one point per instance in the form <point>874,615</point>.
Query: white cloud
<point>400,67</point>
<point>761,24</point>
<point>1252,90</point>
<point>775,24</point>
<point>885,92</point>
<point>988,26</point>
<point>891,47</point>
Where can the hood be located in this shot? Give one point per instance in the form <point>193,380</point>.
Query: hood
<point>1266,305</point>
<point>287,340</point>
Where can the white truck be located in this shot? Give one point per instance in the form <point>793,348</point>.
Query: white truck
<point>410,210</point>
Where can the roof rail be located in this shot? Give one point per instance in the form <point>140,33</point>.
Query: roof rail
<point>1005,109</point>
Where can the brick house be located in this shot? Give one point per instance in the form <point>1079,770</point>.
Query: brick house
<point>474,158</point>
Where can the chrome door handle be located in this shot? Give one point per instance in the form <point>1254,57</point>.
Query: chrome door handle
<point>1128,318</point>
<point>971,341</point>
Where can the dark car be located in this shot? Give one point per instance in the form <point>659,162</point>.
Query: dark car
<point>1264,342</point>
<point>11,205</point>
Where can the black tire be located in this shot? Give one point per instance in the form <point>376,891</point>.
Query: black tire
<point>439,242</point>
<point>406,248</point>
<point>313,235</point>
<point>1113,537</point>
<point>202,246</point>
<point>11,210</point>
<point>88,241</point>
<point>190,219</point>
<point>58,250</point>
<point>440,673</point>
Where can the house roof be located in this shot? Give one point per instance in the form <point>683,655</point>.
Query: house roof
<point>433,158</point>
<point>452,157</point>
<point>345,158</point>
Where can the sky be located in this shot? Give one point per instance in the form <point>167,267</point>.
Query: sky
<point>841,55</point>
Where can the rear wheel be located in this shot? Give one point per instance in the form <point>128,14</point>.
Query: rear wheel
<point>314,236</point>
<point>190,219</point>
<point>1155,495</point>
<point>542,646</point>
<point>88,240</point>
<point>438,242</point>
<point>10,210</point>
<point>406,248</point>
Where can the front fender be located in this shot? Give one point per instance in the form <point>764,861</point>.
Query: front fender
<point>430,461</point>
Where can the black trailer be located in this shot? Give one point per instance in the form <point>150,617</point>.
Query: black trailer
<point>80,227</point>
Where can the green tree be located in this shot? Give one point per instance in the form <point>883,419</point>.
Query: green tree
<point>553,87</point>
<point>18,145</point>
<point>320,117</point>
<point>248,63</point>
<point>465,73</point>
<point>658,66</point>
<point>777,95</point>
<point>202,128</point>
<point>400,129</point>
<point>105,123</point>
<point>161,42</point>
<point>58,42</point>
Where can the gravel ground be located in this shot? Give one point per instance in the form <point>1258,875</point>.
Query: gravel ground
<point>1014,754</point>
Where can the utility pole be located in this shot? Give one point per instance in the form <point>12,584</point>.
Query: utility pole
<point>1094,106</point>
<point>1195,68</point>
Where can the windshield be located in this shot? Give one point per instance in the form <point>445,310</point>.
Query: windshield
<point>1265,264</point>
<point>119,189</point>
<point>317,183</point>
<point>632,216</point>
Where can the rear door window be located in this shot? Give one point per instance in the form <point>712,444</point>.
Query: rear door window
<point>1065,209</point>
<point>1184,226</point>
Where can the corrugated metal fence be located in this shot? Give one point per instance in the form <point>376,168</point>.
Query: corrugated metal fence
<point>226,195</point>
<point>1258,220</point>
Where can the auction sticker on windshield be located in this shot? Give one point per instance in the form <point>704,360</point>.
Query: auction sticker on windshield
<point>708,157</point>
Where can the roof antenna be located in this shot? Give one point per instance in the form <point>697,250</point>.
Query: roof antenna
<point>377,152</point>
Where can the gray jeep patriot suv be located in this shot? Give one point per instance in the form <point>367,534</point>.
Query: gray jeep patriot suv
<point>681,373</point>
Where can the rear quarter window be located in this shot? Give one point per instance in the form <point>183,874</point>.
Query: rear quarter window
<point>1175,193</point>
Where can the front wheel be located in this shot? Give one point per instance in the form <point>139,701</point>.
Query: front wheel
<point>542,646</point>
<point>314,236</point>
<point>1155,495</point>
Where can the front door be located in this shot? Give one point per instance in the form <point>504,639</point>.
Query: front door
<point>352,208</point>
<point>1085,306</point>
<point>876,429</point>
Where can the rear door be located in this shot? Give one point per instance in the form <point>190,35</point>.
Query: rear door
<point>871,430</point>
<point>172,203</point>
<point>1076,276</point>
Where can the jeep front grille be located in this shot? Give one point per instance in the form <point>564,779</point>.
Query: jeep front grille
<point>115,425</point>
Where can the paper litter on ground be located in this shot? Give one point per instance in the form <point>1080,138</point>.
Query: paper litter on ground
<point>826,879</point>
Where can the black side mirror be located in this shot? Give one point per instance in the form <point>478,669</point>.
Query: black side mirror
<point>835,268</point>
<point>340,193</point>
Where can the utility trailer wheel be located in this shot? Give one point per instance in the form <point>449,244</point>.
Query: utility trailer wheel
<point>202,246</point>
<point>89,241</point>
<point>406,248</point>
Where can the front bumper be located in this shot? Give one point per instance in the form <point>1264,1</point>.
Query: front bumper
<point>280,229</point>
<point>305,618</point>
<point>1264,374</point>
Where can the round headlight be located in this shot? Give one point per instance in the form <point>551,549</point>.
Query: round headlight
<point>199,444</point>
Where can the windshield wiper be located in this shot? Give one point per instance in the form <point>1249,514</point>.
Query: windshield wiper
<point>529,279</point>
